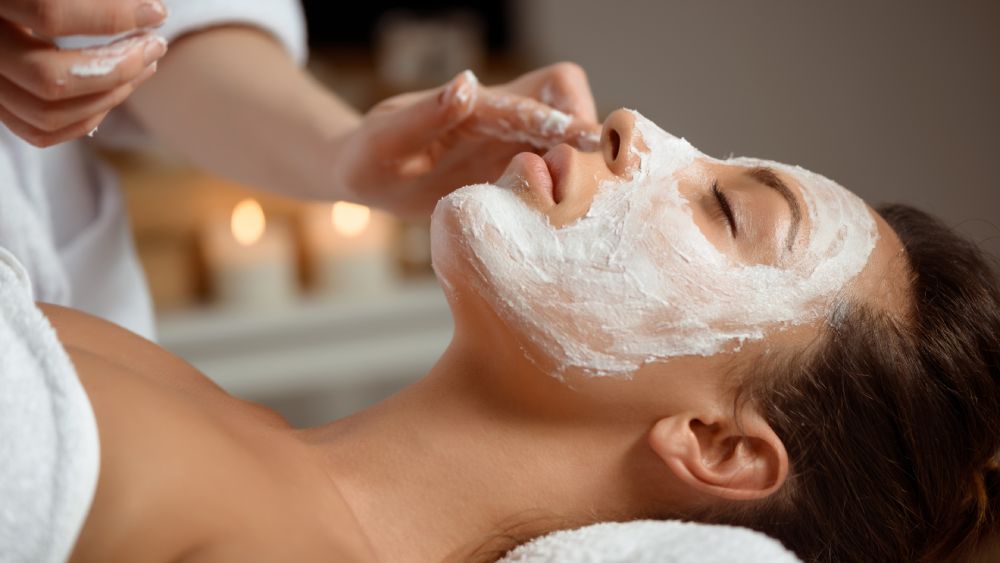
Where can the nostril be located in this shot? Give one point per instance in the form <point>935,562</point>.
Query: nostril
<point>614,145</point>
<point>616,140</point>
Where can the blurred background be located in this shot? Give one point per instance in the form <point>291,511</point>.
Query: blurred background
<point>321,309</point>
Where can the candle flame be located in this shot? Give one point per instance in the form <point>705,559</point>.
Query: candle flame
<point>350,219</point>
<point>248,222</point>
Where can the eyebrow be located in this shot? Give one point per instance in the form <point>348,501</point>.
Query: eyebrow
<point>770,179</point>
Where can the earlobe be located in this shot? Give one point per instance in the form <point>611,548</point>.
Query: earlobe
<point>713,456</point>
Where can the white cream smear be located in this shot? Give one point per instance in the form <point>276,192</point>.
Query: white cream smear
<point>106,58</point>
<point>536,124</point>
<point>635,280</point>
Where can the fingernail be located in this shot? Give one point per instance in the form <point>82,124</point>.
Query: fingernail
<point>150,14</point>
<point>470,76</point>
<point>155,48</point>
<point>459,89</point>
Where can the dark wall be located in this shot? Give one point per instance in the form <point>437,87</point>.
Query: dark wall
<point>898,100</point>
<point>331,24</point>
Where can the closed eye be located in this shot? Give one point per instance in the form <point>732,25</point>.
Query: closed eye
<point>724,205</point>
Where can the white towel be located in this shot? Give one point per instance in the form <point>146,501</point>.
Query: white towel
<point>49,450</point>
<point>649,541</point>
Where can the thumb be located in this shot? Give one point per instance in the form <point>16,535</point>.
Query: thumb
<point>417,120</point>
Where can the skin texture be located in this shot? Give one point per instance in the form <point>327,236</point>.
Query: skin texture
<point>486,444</point>
<point>42,99</point>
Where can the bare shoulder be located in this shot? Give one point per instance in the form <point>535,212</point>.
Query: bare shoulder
<point>78,331</point>
<point>85,335</point>
<point>189,473</point>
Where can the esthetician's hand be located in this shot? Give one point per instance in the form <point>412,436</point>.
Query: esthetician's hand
<point>48,95</point>
<point>414,148</point>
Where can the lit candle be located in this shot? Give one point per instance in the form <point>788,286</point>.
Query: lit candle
<point>349,248</point>
<point>250,259</point>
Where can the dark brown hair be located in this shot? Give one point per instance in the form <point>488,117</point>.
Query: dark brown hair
<point>891,420</point>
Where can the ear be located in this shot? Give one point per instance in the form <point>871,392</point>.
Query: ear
<point>711,455</point>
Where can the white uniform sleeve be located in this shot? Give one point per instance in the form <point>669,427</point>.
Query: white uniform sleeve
<point>281,18</point>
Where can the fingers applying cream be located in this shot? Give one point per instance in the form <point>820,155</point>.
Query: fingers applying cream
<point>103,60</point>
<point>519,119</point>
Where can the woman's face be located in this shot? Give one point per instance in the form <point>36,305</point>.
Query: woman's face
<point>648,250</point>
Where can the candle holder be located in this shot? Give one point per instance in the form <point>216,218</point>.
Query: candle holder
<point>250,259</point>
<point>348,249</point>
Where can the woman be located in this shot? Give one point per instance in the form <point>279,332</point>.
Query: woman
<point>843,398</point>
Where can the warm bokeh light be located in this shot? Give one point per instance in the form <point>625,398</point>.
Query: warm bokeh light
<point>248,222</point>
<point>350,219</point>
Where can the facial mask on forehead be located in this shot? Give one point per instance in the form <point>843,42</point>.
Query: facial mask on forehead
<point>635,280</point>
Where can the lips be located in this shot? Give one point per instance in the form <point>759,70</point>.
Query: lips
<point>559,161</point>
<point>545,178</point>
<point>534,172</point>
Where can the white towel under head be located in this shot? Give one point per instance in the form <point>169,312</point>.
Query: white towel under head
<point>649,541</point>
<point>49,450</point>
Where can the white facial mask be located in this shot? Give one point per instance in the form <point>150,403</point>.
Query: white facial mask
<point>635,280</point>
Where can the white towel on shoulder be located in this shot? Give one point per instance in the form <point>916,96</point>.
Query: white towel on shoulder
<point>649,541</point>
<point>49,450</point>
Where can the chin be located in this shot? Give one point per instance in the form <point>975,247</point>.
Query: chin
<point>457,231</point>
<point>451,255</point>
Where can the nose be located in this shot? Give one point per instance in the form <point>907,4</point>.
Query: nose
<point>616,140</point>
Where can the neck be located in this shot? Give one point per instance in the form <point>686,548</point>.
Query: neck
<point>457,463</point>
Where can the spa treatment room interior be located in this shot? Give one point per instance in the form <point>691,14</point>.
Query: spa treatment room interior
<point>518,281</point>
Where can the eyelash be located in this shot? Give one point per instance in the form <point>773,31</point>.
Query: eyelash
<point>724,206</point>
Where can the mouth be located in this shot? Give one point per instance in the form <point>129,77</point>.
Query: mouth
<point>530,175</point>
<point>559,161</point>
<point>542,181</point>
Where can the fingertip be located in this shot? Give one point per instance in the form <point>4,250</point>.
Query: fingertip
<point>469,76</point>
<point>581,133</point>
<point>154,48</point>
<point>147,73</point>
<point>460,93</point>
<point>150,14</point>
<point>96,121</point>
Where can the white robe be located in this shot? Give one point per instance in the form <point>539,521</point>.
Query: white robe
<point>61,210</point>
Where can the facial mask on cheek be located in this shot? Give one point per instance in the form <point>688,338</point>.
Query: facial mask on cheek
<point>635,280</point>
